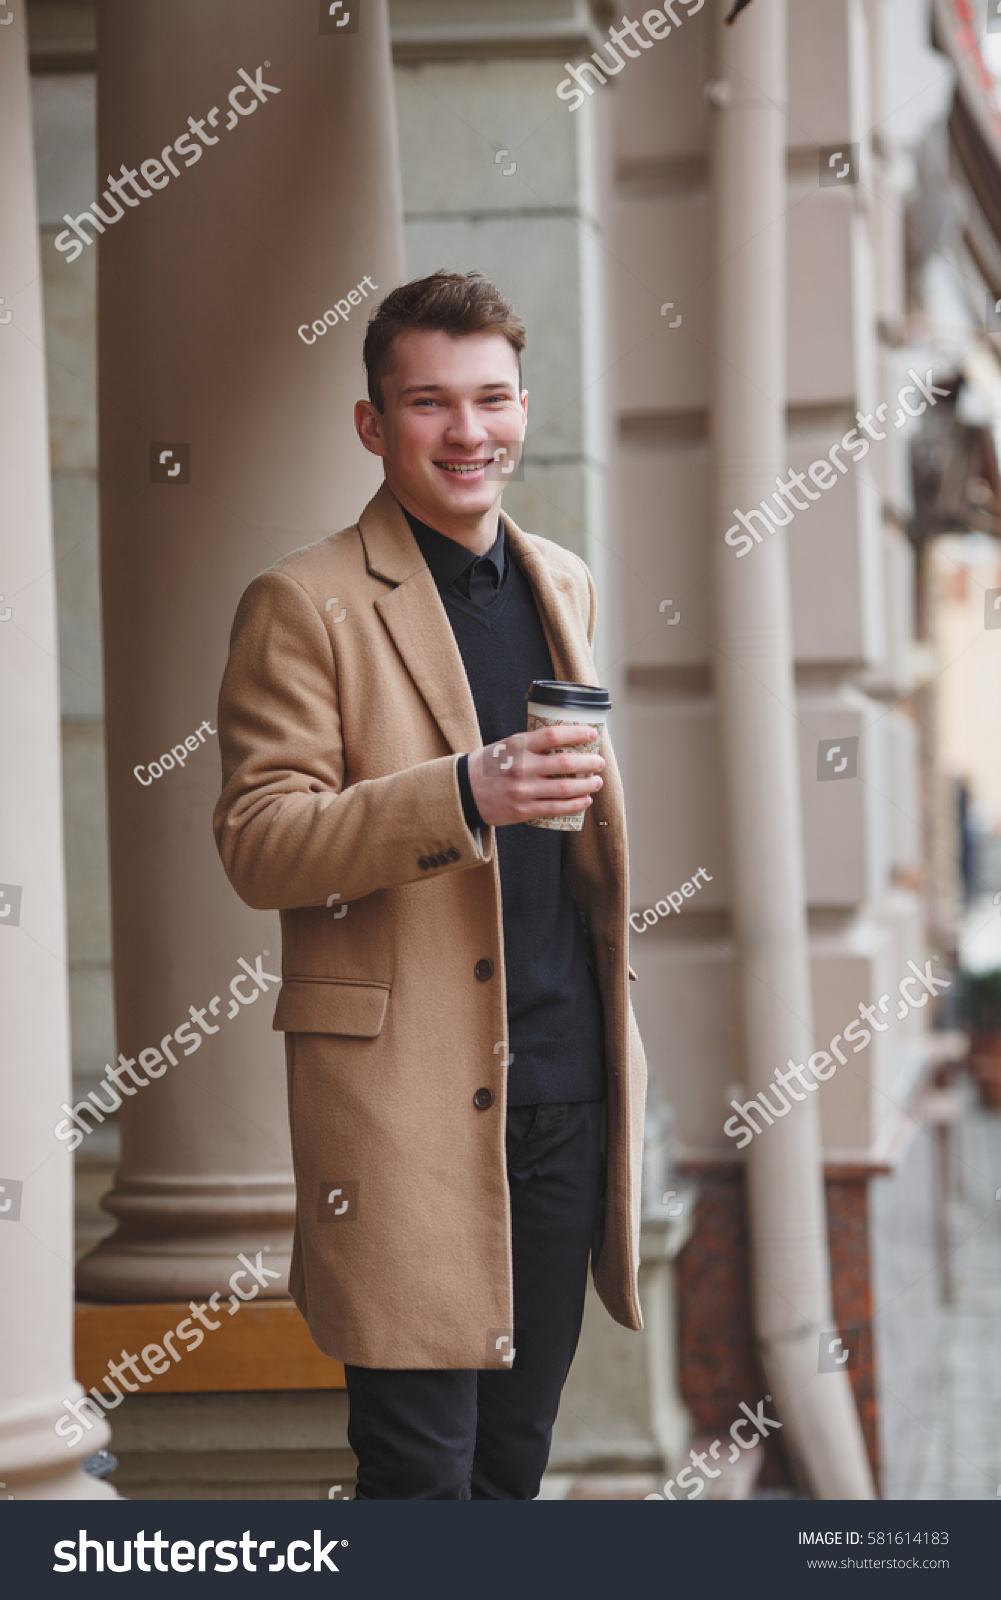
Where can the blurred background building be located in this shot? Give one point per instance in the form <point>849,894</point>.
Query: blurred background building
<point>604,226</point>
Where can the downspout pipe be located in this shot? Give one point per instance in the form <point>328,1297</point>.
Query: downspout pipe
<point>756,701</point>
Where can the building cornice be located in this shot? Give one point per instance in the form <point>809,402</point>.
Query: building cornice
<point>428,30</point>
<point>62,35</point>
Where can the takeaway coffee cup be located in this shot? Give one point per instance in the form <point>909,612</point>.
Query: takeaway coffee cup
<point>551,705</point>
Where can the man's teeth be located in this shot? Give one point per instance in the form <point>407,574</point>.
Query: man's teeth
<point>461,466</point>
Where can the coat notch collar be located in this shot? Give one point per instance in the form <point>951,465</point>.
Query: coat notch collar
<point>391,551</point>
<point>556,601</point>
<point>418,622</point>
<point>419,626</point>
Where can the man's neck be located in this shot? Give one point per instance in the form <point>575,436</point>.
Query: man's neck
<point>476,533</point>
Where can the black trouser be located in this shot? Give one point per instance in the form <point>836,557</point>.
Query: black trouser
<point>465,1434</point>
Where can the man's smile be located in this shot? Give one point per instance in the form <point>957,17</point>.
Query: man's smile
<point>465,468</point>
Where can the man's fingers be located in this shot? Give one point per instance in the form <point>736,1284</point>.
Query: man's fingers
<point>564,733</point>
<point>544,752</point>
<point>558,788</point>
<point>534,775</point>
<point>556,808</point>
<point>552,768</point>
<point>571,761</point>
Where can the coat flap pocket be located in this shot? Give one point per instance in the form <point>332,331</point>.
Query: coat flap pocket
<point>331,1005</point>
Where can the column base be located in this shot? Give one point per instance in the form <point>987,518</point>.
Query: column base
<point>36,1463</point>
<point>72,1485</point>
<point>178,1238</point>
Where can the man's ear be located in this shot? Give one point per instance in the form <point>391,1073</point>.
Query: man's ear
<point>369,427</point>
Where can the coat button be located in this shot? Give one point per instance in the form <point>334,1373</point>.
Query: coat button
<point>441,860</point>
<point>483,1099</point>
<point>423,863</point>
<point>453,854</point>
<point>484,969</point>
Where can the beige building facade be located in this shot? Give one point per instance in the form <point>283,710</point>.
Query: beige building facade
<point>668,388</point>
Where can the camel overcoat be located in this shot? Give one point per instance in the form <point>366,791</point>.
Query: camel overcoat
<point>343,711</point>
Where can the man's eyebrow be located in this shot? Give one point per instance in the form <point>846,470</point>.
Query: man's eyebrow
<point>441,388</point>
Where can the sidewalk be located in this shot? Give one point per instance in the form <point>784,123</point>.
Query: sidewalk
<point>961,1454</point>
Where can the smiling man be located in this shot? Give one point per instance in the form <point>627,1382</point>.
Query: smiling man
<point>465,1076</point>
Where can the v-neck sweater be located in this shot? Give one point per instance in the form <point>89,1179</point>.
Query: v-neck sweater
<point>554,1008</point>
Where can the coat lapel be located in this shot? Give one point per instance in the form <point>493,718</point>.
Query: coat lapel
<point>419,626</point>
<point>555,598</point>
<point>418,622</point>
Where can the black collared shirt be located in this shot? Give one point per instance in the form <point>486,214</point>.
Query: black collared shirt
<point>479,578</point>
<point>555,1016</point>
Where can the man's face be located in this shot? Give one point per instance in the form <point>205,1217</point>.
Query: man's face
<point>449,403</point>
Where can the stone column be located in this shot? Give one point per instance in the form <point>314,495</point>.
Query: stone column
<point>247,158</point>
<point>36,1250</point>
<point>754,675</point>
<point>499,175</point>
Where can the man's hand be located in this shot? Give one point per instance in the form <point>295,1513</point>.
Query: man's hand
<point>519,778</point>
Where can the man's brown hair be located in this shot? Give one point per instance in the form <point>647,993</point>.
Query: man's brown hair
<point>451,302</point>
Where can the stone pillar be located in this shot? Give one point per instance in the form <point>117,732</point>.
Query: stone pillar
<point>264,195</point>
<point>754,679</point>
<point>36,1340</point>
<point>499,175</point>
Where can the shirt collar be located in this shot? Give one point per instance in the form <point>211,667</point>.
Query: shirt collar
<point>447,558</point>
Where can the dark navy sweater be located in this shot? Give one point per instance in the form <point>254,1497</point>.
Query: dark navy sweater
<point>555,1019</point>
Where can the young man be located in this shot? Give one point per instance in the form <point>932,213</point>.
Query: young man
<point>465,1076</point>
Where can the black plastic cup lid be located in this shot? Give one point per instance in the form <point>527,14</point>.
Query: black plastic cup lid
<point>569,696</point>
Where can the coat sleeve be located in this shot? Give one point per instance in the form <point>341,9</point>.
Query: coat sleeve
<point>592,604</point>
<point>587,602</point>
<point>289,832</point>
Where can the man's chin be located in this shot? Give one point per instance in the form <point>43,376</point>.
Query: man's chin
<point>453,498</point>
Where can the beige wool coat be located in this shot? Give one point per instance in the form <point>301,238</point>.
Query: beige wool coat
<point>343,711</point>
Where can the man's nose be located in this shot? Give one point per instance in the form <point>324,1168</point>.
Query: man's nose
<point>465,428</point>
